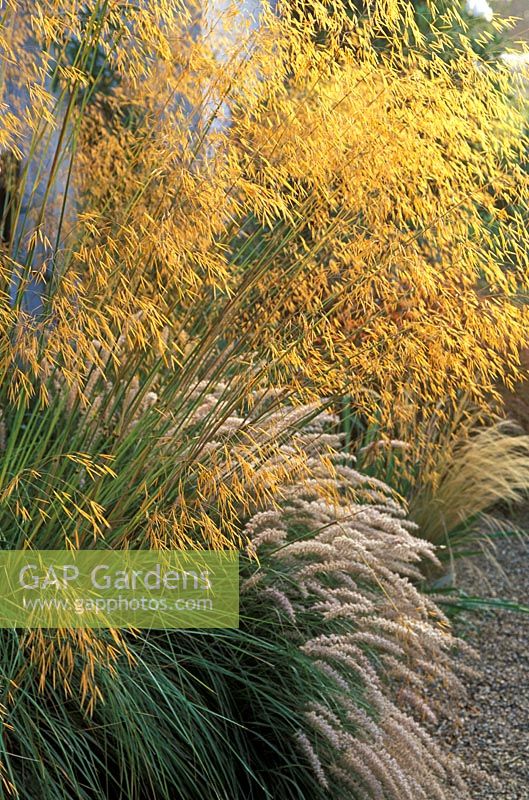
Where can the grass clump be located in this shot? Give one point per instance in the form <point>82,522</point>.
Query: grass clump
<point>325,688</point>
<point>200,255</point>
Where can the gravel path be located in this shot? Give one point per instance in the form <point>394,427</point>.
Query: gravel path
<point>489,729</point>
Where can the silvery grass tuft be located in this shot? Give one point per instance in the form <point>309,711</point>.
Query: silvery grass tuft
<point>458,469</point>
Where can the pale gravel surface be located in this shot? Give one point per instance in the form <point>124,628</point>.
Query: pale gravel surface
<point>489,730</point>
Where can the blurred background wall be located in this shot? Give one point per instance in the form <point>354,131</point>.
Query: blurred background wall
<point>515,8</point>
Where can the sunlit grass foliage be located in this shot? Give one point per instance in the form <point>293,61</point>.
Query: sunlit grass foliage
<point>358,224</point>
